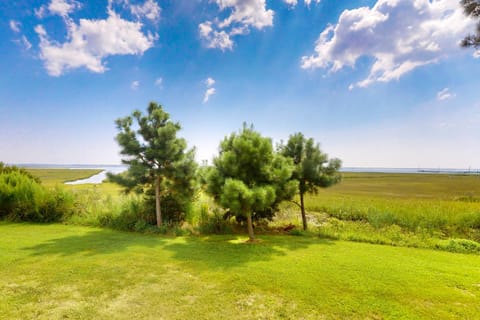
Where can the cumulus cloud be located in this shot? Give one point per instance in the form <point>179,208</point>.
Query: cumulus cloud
<point>159,82</point>
<point>293,3</point>
<point>307,2</point>
<point>26,43</point>
<point>135,84</point>
<point>89,42</point>
<point>242,16</point>
<point>399,36</point>
<point>149,9</point>
<point>209,82</point>
<point>14,26</point>
<point>58,7</point>
<point>445,94</point>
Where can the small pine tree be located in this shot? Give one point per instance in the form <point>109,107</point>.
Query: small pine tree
<point>312,167</point>
<point>248,177</point>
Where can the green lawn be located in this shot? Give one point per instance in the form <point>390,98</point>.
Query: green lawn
<point>58,271</point>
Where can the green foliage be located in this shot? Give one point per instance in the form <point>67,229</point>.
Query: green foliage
<point>23,198</point>
<point>7,169</point>
<point>248,177</point>
<point>213,223</point>
<point>312,167</point>
<point>158,161</point>
<point>459,245</point>
<point>471,8</point>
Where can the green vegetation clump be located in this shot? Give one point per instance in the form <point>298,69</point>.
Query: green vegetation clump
<point>23,198</point>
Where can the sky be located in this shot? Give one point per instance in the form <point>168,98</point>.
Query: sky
<point>377,83</point>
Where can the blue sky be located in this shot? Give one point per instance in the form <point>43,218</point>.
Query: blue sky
<point>377,83</point>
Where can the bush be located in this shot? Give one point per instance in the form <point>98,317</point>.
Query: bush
<point>213,223</point>
<point>459,245</point>
<point>132,215</point>
<point>22,198</point>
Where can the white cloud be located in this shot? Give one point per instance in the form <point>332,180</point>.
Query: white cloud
<point>58,7</point>
<point>293,3</point>
<point>26,44</point>
<point>209,82</point>
<point>63,7</point>
<point>135,84</point>
<point>445,94</point>
<point>159,82</point>
<point>215,39</point>
<point>208,93</point>
<point>243,15</point>
<point>150,10</point>
<point>15,26</point>
<point>307,2</point>
<point>91,41</point>
<point>400,36</point>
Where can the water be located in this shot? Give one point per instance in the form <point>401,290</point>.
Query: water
<point>100,177</point>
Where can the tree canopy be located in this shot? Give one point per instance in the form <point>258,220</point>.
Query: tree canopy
<point>472,9</point>
<point>248,177</point>
<point>156,158</point>
<point>312,169</point>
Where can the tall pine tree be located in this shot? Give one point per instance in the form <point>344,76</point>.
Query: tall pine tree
<point>156,157</point>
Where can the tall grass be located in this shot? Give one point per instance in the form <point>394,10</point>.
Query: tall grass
<point>449,217</point>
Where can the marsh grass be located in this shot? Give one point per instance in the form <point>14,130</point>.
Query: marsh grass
<point>52,177</point>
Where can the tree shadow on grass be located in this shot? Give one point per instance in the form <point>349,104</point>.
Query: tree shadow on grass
<point>95,242</point>
<point>224,252</point>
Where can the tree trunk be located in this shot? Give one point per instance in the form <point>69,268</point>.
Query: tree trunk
<point>302,208</point>
<point>250,227</point>
<point>157,202</point>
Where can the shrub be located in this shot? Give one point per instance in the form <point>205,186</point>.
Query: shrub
<point>22,198</point>
<point>213,223</point>
<point>459,245</point>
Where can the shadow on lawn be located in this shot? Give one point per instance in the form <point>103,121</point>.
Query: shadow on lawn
<point>227,252</point>
<point>213,251</point>
<point>95,242</point>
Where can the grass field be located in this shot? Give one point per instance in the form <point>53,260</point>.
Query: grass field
<point>52,177</point>
<point>58,271</point>
<point>411,207</point>
<point>55,177</point>
<point>418,210</point>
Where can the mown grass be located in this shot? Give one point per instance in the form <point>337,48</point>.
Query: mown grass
<point>58,271</point>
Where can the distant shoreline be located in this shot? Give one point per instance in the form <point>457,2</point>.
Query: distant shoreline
<point>106,167</point>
